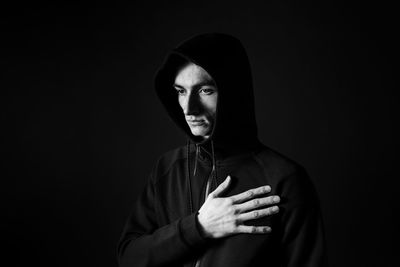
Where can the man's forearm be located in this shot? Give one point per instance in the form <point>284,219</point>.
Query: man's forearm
<point>165,246</point>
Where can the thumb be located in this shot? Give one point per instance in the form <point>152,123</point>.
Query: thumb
<point>221,188</point>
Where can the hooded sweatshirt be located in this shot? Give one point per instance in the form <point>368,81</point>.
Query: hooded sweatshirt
<point>163,229</point>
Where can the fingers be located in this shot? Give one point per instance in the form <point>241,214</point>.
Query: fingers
<point>257,202</point>
<point>249,194</point>
<point>221,188</point>
<point>255,214</point>
<point>246,229</point>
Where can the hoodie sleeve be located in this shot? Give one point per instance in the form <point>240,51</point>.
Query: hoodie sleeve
<point>303,238</point>
<point>145,243</point>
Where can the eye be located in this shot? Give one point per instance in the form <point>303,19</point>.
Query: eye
<point>207,91</point>
<point>180,91</point>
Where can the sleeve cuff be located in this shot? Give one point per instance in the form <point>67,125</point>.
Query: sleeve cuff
<point>190,231</point>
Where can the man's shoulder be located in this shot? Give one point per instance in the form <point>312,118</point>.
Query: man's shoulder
<point>288,176</point>
<point>277,164</point>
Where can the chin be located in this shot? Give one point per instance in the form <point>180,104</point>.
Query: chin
<point>200,132</point>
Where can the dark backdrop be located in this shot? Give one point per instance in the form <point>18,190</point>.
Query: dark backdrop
<point>81,125</point>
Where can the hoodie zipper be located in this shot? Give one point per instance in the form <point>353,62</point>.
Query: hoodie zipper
<point>208,185</point>
<point>198,261</point>
<point>207,192</point>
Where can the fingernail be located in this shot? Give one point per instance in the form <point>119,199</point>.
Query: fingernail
<point>276,199</point>
<point>275,208</point>
<point>267,229</point>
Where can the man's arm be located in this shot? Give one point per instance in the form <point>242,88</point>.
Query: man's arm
<point>303,239</point>
<point>145,244</point>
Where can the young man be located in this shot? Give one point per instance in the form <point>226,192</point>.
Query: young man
<point>225,199</point>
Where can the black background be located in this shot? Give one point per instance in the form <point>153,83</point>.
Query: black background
<point>81,125</point>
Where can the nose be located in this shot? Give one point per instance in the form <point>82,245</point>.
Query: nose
<point>191,105</point>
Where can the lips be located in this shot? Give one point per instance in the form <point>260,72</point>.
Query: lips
<point>196,122</point>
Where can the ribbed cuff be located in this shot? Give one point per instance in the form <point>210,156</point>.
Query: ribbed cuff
<point>190,231</point>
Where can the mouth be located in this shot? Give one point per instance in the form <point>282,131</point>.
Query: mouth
<point>196,122</point>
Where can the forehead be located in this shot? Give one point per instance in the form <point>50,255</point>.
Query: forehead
<point>191,74</point>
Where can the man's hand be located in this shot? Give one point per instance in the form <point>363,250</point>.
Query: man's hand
<point>224,216</point>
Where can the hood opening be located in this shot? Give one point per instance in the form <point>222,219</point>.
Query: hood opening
<point>225,59</point>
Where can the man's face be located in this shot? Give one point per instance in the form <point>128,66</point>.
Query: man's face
<point>197,96</point>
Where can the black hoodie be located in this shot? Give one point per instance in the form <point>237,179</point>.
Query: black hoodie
<point>163,229</point>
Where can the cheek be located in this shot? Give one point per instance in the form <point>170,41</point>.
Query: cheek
<point>181,101</point>
<point>211,106</point>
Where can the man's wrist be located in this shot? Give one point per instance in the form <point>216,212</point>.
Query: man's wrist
<point>201,228</point>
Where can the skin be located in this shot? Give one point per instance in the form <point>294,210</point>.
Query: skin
<point>219,216</point>
<point>198,96</point>
<point>225,216</point>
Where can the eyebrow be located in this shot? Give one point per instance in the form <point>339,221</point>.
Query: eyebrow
<point>197,85</point>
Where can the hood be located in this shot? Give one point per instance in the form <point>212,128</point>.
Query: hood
<point>225,59</point>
